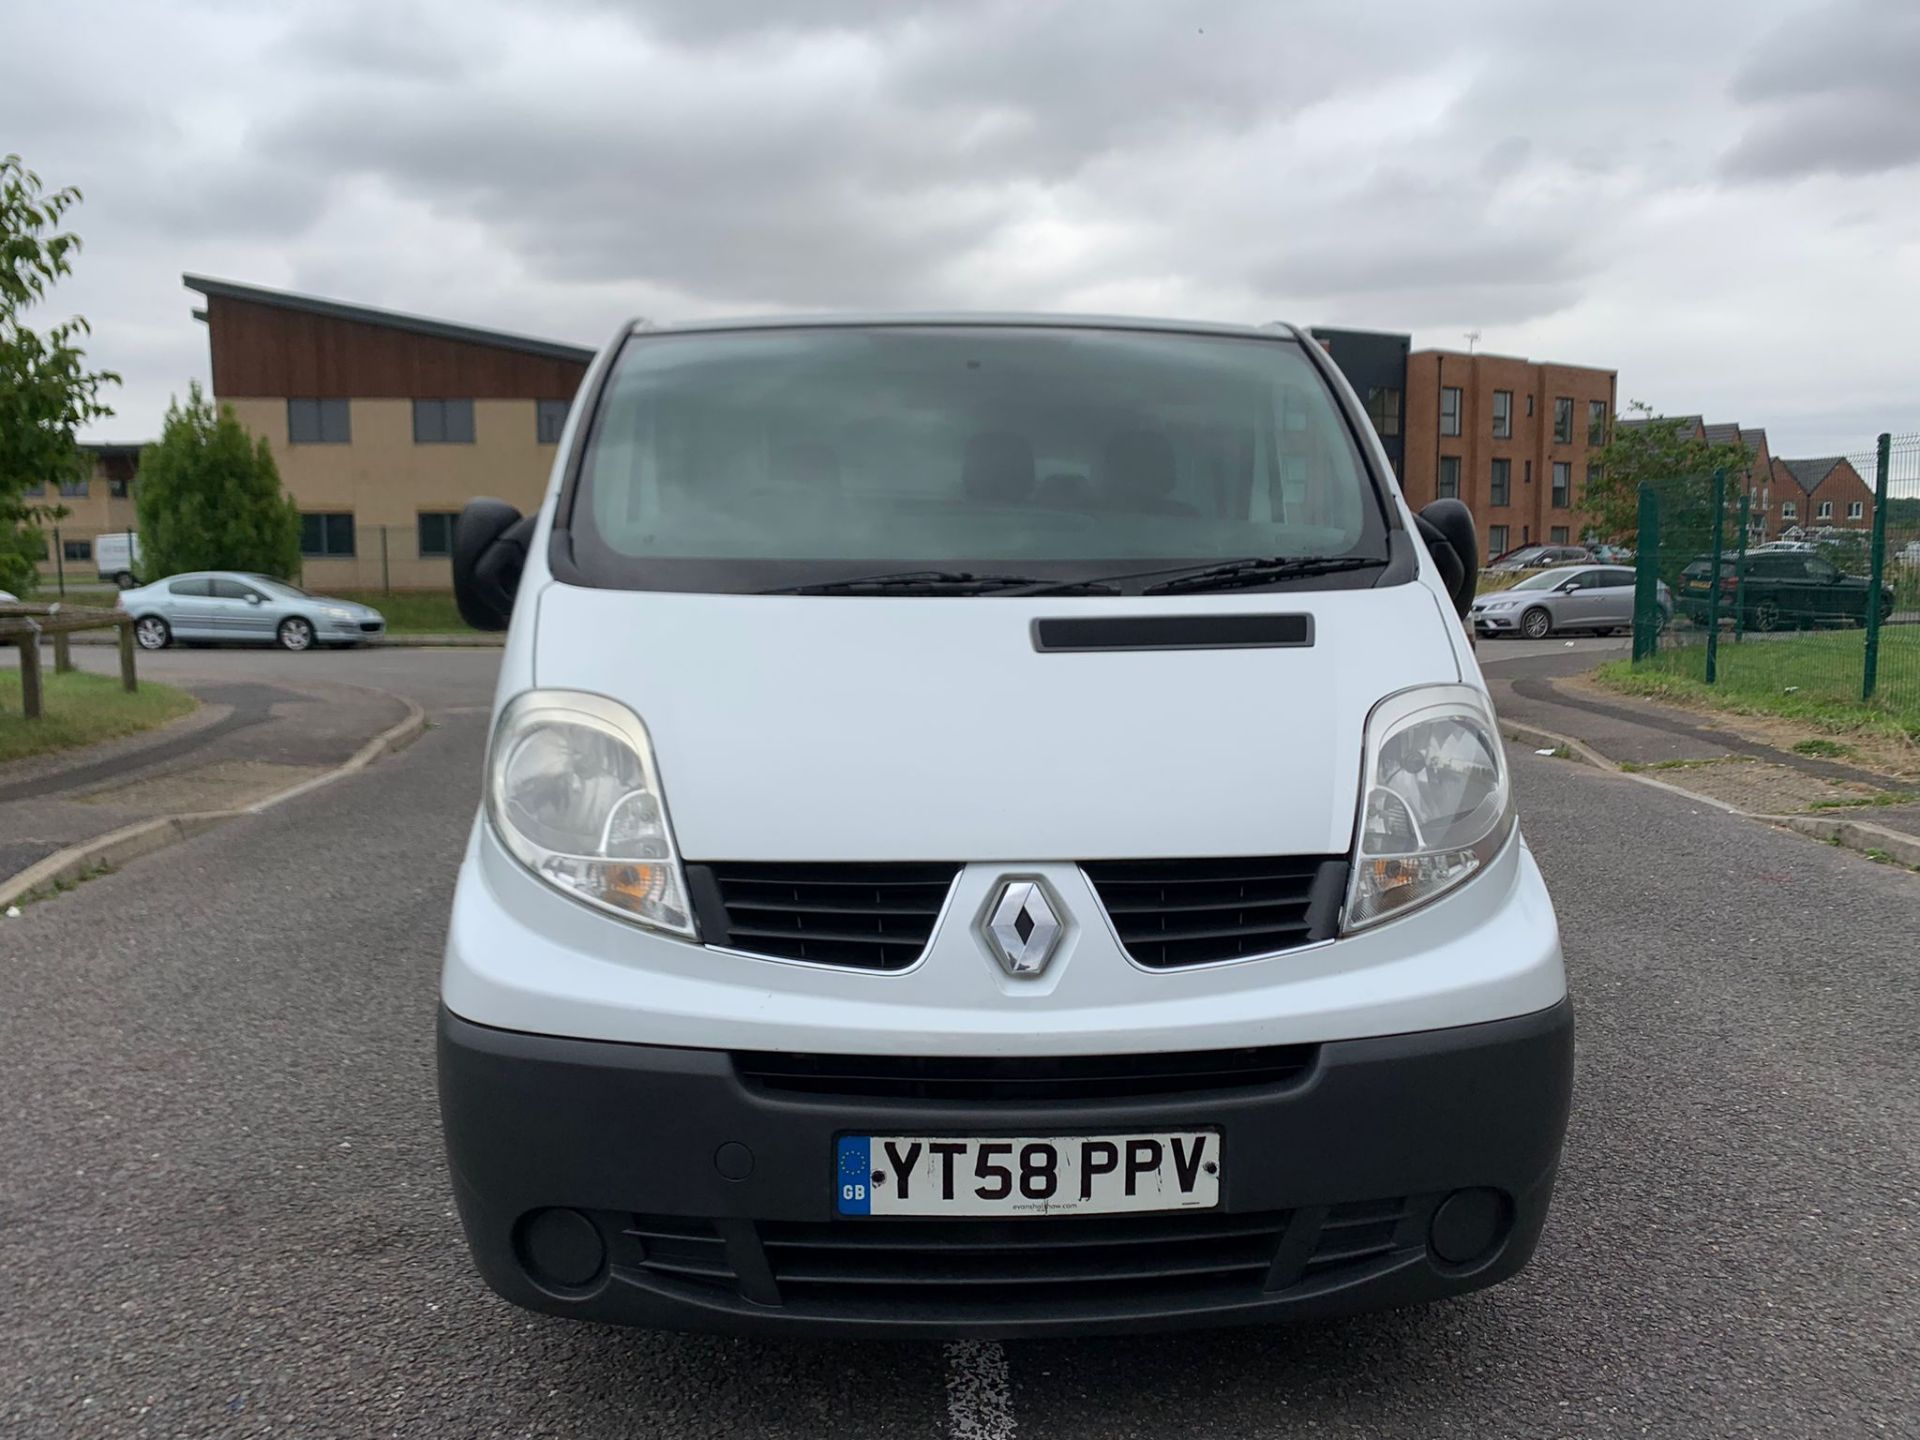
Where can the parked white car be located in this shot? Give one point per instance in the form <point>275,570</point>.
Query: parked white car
<point>990,827</point>
<point>1909,554</point>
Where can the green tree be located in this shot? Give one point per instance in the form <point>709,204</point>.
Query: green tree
<point>1678,465</point>
<point>46,391</point>
<point>210,498</point>
<point>1666,454</point>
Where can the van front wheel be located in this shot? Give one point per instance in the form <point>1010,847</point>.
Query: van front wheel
<point>124,580</point>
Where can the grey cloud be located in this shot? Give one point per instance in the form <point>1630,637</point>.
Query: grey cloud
<point>1832,135</point>
<point>1566,184</point>
<point>1832,92</point>
<point>815,175</point>
<point>377,39</point>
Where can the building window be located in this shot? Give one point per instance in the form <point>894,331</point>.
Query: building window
<point>550,418</point>
<point>1529,404</point>
<point>1593,476</point>
<point>326,536</point>
<point>1856,509</point>
<point>1562,484</point>
<point>1496,541</point>
<point>1449,477</point>
<point>1596,422</point>
<point>1826,510</point>
<point>1450,410</point>
<point>1789,510</point>
<point>318,422</point>
<point>1557,535</point>
<point>1501,489</point>
<point>117,489</point>
<point>1383,409</point>
<point>1563,419</point>
<point>76,549</point>
<point>1503,414</point>
<point>436,532</point>
<point>74,489</point>
<point>443,422</point>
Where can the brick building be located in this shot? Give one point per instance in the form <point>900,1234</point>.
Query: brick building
<point>1826,491</point>
<point>1513,438</point>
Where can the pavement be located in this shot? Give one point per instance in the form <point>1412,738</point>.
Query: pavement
<point>249,739</point>
<point>224,1208</point>
<point>1728,759</point>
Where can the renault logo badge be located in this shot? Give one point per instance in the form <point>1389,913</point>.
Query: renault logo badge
<point>1022,928</point>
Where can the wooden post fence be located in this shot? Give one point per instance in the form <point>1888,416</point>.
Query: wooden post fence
<point>22,626</point>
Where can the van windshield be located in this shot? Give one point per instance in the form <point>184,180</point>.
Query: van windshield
<point>764,459</point>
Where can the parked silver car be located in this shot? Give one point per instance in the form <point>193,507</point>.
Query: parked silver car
<point>228,606</point>
<point>1569,597</point>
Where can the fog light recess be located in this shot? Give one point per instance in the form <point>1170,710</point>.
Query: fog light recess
<point>1469,1226</point>
<point>561,1249</point>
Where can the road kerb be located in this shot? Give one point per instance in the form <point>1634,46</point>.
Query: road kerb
<point>1855,835</point>
<point>1547,740</point>
<point>143,837</point>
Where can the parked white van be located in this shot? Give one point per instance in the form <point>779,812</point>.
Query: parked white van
<point>116,555</point>
<point>992,826</point>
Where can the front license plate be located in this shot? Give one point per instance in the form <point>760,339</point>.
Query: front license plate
<point>1027,1175</point>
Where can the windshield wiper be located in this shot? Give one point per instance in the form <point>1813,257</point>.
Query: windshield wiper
<point>943,582</point>
<point>1260,569</point>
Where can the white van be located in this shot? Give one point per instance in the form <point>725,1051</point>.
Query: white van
<point>992,826</point>
<point>116,555</point>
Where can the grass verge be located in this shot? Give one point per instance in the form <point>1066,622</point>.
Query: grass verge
<point>411,612</point>
<point>1812,678</point>
<point>82,709</point>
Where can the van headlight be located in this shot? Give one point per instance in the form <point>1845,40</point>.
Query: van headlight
<point>1435,803</point>
<point>573,794</point>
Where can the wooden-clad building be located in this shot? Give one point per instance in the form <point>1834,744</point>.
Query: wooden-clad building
<point>384,425</point>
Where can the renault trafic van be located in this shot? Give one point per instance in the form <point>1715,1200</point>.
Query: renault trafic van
<point>992,826</point>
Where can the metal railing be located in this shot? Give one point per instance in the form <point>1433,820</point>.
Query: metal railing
<point>1824,607</point>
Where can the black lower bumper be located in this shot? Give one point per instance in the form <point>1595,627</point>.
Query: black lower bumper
<point>679,1189</point>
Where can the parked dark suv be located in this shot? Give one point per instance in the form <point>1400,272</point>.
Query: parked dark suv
<point>1537,557</point>
<point>1784,589</point>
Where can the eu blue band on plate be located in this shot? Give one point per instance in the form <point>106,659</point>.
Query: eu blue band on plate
<point>855,1175</point>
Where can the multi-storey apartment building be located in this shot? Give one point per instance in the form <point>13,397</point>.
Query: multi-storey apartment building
<point>1515,439</point>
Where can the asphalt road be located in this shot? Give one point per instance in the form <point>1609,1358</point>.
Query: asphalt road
<point>224,1211</point>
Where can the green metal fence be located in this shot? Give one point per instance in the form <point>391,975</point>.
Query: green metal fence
<point>1797,598</point>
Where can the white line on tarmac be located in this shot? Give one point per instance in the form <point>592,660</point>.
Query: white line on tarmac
<point>979,1391</point>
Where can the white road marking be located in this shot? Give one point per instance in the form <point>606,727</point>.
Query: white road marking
<point>979,1391</point>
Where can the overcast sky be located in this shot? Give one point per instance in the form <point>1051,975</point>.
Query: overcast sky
<point>1718,198</point>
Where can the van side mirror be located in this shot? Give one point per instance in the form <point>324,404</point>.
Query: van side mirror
<point>489,552</point>
<point>1447,528</point>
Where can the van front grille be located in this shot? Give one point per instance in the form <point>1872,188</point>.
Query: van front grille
<point>1170,913</point>
<point>986,1269</point>
<point>1025,1079</point>
<point>864,915</point>
<point>963,1264</point>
